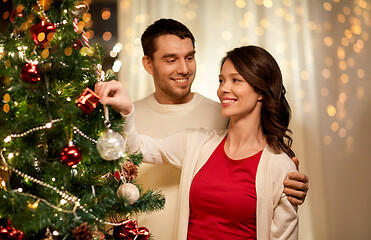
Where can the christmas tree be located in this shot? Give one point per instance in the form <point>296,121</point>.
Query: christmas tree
<point>64,171</point>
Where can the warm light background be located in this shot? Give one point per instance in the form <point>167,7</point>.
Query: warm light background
<point>323,48</point>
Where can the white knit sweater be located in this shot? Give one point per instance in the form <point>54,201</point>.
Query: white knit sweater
<point>190,149</point>
<point>157,120</point>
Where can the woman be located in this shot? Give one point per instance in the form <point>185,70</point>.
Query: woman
<point>231,185</point>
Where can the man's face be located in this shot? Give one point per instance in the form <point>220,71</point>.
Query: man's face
<point>173,68</point>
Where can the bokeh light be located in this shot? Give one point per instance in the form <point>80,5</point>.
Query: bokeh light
<point>331,110</point>
<point>106,14</point>
<point>107,36</point>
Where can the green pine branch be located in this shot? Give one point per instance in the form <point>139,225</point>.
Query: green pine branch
<point>64,72</point>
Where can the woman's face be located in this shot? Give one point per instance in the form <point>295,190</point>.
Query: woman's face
<point>237,97</point>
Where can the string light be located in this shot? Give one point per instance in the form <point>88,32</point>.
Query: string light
<point>46,126</point>
<point>65,195</point>
<point>42,12</point>
<point>84,135</point>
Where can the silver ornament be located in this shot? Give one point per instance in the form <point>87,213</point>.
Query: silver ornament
<point>128,191</point>
<point>111,145</point>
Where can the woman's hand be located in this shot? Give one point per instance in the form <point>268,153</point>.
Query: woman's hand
<point>113,93</point>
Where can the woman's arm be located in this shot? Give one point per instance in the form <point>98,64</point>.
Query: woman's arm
<point>285,217</point>
<point>285,220</point>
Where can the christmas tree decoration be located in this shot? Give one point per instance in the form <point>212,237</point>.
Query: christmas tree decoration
<point>87,101</point>
<point>129,171</point>
<point>48,235</point>
<point>143,234</point>
<point>71,155</point>
<point>98,235</point>
<point>33,205</point>
<point>79,29</point>
<point>43,197</point>
<point>129,231</point>
<point>15,14</point>
<point>77,44</point>
<point>128,191</point>
<point>45,4</point>
<point>41,31</point>
<point>30,72</point>
<point>10,233</point>
<point>111,145</point>
<point>80,9</point>
<point>83,232</point>
<point>4,176</point>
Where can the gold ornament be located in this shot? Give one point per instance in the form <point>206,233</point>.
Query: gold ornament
<point>33,205</point>
<point>48,235</point>
<point>80,9</point>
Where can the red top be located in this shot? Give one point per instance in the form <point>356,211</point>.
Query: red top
<point>223,198</point>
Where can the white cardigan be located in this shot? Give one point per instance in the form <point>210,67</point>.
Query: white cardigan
<point>190,149</point>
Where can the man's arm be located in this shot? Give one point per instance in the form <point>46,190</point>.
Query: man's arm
<point>296,185</point>
<point>113,93</point>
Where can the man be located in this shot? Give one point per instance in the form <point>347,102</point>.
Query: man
<point>169,56</point>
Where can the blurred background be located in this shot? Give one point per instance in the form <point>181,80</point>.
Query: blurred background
<point>323,49</point>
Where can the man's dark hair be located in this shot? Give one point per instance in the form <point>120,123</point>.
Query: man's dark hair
<point>163,27</point>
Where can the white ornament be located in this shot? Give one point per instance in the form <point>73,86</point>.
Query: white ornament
<point>128,191</point>
<point>111,145</point>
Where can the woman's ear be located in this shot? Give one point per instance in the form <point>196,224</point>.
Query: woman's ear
<point>260,97</point>
<point>147,64</point>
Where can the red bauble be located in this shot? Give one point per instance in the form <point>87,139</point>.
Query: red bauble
<point>43,27</point>
<point>77,45</point>
<point>15,14</point>
<point>129,231</point>
<point>143,234</point>
<point>10,233</point>
<point>87,101</point>
<point>71,155</point>
<point>30,73</point>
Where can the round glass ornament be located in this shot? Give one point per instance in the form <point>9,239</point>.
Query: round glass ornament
<point>111,145</point>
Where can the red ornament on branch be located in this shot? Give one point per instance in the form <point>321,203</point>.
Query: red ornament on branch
<point>71,155</point>
<point>40,32</point>
<point>30,73</point>
<point>129,231</point>
<point>143,234</point>
<point>77,44</point>
<point>88,101</point>
<point>15,14</point>
<point>10,233</point>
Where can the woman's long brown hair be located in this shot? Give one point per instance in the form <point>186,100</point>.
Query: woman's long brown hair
<point>261,71</point>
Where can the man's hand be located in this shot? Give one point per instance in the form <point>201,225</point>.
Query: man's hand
<point>113,93</point>
<point>296,185</point>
